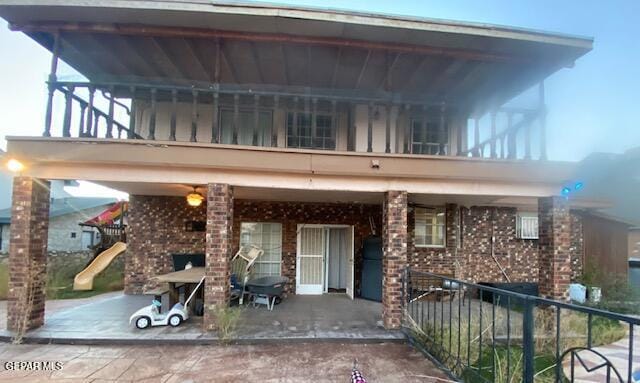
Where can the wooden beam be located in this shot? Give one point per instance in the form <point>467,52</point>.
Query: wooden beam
<point>230,68</point>
<point>386,80</point>
<point>195,55</point>
<point>164,31</point>
<point>543,121</point>
<point>335,67</point>
<point>216,66</point>
<point>362,70</point>
<point>256,61</point>
<point>168,57</point>
<point>133,51</point>
<point>285,65</point>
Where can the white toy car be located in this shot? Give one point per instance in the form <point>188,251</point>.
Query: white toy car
<point>150,316</point>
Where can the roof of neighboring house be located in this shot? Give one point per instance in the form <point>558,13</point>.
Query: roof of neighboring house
<point>62,206</point>
<point>614,177</point>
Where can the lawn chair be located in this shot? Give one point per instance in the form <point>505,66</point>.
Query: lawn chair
<point>241,264</point>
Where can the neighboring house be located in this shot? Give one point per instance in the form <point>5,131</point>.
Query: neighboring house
<point>65,214</point>
<point>306,131</point>
<point>611,239</point>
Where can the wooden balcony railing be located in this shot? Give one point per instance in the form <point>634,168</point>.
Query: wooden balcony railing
<point>105,110</point>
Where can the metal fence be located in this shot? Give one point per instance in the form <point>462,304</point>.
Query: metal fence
<point>480,333</point>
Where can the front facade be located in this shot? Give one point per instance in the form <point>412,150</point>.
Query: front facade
<point>312,134</point>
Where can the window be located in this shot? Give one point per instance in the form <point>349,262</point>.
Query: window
<point>267,236</point>
<point>301,135</point>
<point>429,226</point>
<point>73,234</point>
<point>527,225</point>
<point>427,139</point>
<point>245,127</point>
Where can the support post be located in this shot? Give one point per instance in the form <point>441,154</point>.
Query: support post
<point>442,130</point>
<point>219,238</point>
<point>256,119</point>
<point>493,141</point>
<point>543,121</point>
<point>51,86</point>
<point>174,111</point>
<point>407,128</point>
<point>274,127</point>
<point>387,132</point>
<point>215,127</point>
<point>370,127</point>
<point>111,111</point>
<point>89,125</point>
<point>152,118</point>
<point>351,129</point>
<point>132,114</point>
<point>476,137</point>
<point>28,254</point>
<point>394,239</point>
<point>194,116</point>
<point>68,105</point>
<point>236,112</point>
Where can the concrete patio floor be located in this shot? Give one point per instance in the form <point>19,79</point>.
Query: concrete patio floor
<point>105,320</point>
<point>299,362</point>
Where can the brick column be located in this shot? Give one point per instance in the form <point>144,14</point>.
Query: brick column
<point>218,250</point>
<point>394,242</point>
<point>28,253</point>
<point>138,226</point>
<point>554,273</point>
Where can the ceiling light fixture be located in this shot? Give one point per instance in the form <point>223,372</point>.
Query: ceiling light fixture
<point>15,166</point>
<point>194,198</point>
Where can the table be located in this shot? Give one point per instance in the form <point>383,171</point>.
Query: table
<point>185,277</point>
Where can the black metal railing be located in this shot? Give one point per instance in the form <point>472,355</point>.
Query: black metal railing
<point>106,110</point>
<point>479,333</point>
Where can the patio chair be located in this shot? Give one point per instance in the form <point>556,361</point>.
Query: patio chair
<point>241,264</point>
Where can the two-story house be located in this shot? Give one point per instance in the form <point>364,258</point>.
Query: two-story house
<point>305,131</point>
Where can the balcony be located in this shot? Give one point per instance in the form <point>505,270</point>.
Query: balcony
<point>288,118</point>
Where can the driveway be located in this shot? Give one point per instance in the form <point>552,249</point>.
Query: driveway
<point>292,362</point>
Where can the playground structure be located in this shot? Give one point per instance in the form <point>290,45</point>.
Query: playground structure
<point>111,227</point>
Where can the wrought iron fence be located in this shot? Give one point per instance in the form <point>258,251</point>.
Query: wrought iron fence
<point>479,333</point>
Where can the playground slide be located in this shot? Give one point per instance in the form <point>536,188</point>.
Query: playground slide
<point>84,279</point>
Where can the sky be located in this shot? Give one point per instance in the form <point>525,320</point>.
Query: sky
<point>591,107</point>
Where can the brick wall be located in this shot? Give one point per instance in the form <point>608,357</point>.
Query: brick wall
<point>156,229</point>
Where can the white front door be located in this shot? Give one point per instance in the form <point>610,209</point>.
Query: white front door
<point>310,260</point>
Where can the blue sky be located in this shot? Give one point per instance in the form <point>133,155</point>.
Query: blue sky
<point>592,107</point>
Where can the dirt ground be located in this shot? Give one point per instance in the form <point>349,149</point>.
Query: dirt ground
<point>300,362</point>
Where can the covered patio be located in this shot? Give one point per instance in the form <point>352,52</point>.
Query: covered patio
<point>105,320</point>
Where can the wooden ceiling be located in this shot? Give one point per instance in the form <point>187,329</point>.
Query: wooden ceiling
<point>399,58</point>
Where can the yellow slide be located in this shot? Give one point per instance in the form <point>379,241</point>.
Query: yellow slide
<point>84,279</point>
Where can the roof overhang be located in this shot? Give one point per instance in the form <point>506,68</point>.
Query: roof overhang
<point>164,162</point>
<point>347,49</point>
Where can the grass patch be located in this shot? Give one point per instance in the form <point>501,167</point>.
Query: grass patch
<point>227,319</point>
<point>60,280</point>
<point>4,281</point>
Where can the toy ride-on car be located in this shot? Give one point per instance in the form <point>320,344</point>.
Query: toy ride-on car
<point>149,316</point>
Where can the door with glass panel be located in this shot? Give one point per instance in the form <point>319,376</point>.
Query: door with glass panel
<point>310,260</point>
